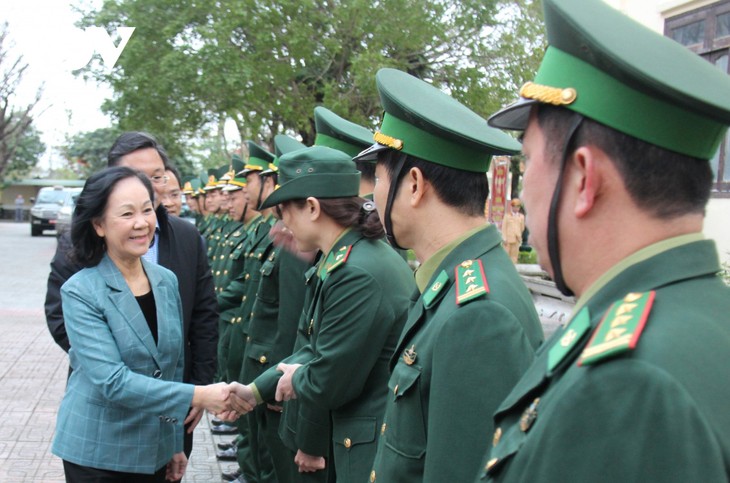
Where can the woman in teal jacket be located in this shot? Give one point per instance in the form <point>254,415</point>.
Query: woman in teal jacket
<point>121,419</point>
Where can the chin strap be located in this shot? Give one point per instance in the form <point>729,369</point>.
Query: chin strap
<point>553,242</point>
<point>394,183</point>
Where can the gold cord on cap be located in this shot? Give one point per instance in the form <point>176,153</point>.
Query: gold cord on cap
<point>548,95</point>
<point>386,140</point>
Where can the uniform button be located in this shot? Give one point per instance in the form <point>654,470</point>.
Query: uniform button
<point>348,442</point>
<point>372,476</point>
<point>250,315</point>
<point>217,273</point>
<point>395,389</point>
<point>161,418</point>
<point>246,277</point>
<point>262,359</point>
<point>157,374</point>
<point>497,436</point>
<point>491,463</point>
<point>243,299</point>
<point>382,429</point>
<point>225,272</point>
<point>174,420</point>
<point>167,420</point>
<point>248,339</point>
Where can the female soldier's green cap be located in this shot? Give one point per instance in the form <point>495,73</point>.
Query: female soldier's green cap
<point>611,69</point>
<point>422,121</point>
<point>258,159</point>
<point>316,171</point>
<point>282,144</point>
<point>338,133</point>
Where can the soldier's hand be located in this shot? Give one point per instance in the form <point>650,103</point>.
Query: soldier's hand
<point>242,398</point>
<point>284,389</point>
<point>281,236</point>
<point>309,463</point>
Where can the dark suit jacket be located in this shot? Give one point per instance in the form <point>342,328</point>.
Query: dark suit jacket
<point>182,250</point>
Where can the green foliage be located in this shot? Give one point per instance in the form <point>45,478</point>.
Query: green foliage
<point>527,257</point>
<point>266,64</point>
<point>86,152</point>
<point>725,273</point>
<point>27,149</point>
<point>20,144</point>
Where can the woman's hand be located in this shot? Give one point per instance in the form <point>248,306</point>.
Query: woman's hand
<point>176,467</point>
<point>213,397</point>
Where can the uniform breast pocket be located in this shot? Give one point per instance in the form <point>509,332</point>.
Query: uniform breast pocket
<point>268,287</point>
<point>404,430</point>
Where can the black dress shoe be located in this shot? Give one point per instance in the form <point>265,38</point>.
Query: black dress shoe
<point>224,429</point>
<point>232,476</point>
<point>225,446</point>
<point>217,422</point>
<point>227,455</point>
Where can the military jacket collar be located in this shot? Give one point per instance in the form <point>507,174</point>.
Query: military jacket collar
<point>475,246</point>
<point>686,261</point>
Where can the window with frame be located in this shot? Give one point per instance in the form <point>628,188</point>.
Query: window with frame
<point>706,31</point>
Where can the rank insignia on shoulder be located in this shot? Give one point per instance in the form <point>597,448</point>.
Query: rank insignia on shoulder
<point>620,329</point>
<point>337,258</point>
<point>433,291</point>
<point>470,281</point>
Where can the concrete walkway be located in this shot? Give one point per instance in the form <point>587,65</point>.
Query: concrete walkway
<point>33,370</point>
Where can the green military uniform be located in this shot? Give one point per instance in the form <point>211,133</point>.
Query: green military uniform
<point>472,329</point>
<point>353,317</point>
<point>271,334</point>
<point>634,387</point>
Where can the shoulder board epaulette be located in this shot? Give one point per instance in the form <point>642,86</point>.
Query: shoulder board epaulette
<point>620,329</point>
<point>470,281</point>
<point>435,289</point>
<point>337,258</point>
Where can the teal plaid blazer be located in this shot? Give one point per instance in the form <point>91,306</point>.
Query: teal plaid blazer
<point>124,405</point>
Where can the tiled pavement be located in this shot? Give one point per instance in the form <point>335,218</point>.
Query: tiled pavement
<point>33,370</point>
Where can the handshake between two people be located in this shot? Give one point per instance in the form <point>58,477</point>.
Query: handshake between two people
<point>229,401</point>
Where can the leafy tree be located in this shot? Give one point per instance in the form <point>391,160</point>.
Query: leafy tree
<point>15,122</point>
<point>26,152</point>
<point>87,152</point>
<point>267,63</point>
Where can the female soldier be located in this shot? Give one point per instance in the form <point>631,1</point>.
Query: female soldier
<point>354,313</point>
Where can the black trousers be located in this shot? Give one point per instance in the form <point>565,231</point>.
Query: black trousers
<point>85,474</point>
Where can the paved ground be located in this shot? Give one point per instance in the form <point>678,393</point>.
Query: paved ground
<point>33,369</point>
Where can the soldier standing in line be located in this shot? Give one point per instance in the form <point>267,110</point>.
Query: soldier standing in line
<point>513,224</point>
<point>472,329</point>
<point>620,123</point>
<point>353,317</point>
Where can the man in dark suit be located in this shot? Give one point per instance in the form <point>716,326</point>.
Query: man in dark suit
<point>178,247</point>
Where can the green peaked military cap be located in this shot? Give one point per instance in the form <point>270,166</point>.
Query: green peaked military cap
<point>235,182</point>
<point>212,179</point>
<point>422,121</point>
<point>316,171</point>
<point>338,133</point>
<point>609,68</point>
<point>282,144</point>
<point>191,184</point>
<point>258,159</point>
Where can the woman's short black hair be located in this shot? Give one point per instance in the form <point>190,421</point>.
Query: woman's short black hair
<point>88,247</point>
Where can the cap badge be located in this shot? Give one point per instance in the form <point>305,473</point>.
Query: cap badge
<point>548,95</point>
